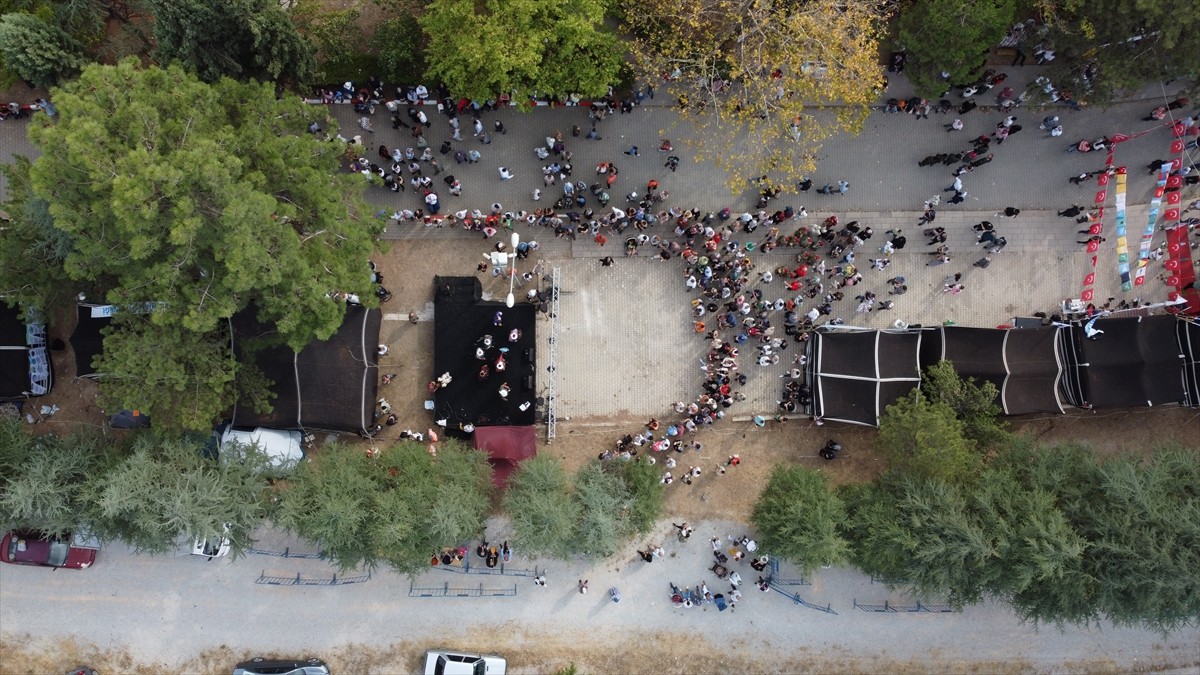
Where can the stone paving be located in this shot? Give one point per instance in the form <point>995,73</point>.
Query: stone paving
<point>627,347</point>
<point>627,344</point>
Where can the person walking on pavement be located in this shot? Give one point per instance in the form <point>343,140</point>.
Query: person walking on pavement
<point>1071,212</point>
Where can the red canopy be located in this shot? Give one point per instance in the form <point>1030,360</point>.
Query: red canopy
<point>506,446</point>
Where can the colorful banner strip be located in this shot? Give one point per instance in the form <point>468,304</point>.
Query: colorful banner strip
<point>1096,228</point>
<point>1139,275</point>
<point>1122,241</point>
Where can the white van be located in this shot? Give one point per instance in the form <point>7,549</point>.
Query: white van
<point>282,447</point>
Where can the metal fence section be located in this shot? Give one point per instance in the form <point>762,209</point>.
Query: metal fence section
<point>784,587</point>
<point>889,582</point>
<point>889,608</point>
<point>466,568</point>
<point>287,553</point>
<point>299,580</point>
<point>774,578</point>
<point>445,591</point>
<point>552,370</point>
<point>795,597</point>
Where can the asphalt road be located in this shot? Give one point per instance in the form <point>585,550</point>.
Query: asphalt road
<point>168,608</point>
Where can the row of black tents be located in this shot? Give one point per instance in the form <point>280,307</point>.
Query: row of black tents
<point>329,385</point>
<point>1135,361</point>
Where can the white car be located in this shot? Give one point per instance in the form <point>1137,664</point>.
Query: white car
<point>212,547</point>
<point>282,447</point>
<point>445,662</point>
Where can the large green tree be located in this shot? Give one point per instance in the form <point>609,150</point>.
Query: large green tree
<point>604,506</point>
<point>166,488</point>
<point>951,36</point>
<point>396,508</point>
<point>1126,44</point>
<point>925,438</point>
<point>539,504</point>
<point>974,404</point>
<point>204,203</point>
<point>43,478</point>
<point>797,516</point>
<point>995,538</point>
<point>1141,520</point>
<point>32,249</point>
<point>521,47</point>
<point>37,51</point>
<point>765,83</point>
<point>242,39</point>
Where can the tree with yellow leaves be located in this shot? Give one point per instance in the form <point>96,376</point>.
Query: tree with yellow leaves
<point>764,81</point>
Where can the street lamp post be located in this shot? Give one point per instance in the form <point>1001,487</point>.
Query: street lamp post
<point>512,269</point>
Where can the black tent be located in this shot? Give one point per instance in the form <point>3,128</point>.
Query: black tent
<point>858,373</point>
<point>1134,362</point>
<point>86,341</point>
<point>462,320</point>
<point>330,385</point>
<point>1022,363</point>
<point>25,368</point>
<point>1189,342</point>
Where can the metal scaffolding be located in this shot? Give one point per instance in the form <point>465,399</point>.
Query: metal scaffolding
<point>552,368</point>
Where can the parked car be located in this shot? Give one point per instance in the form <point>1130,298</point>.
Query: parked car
<point>260,666</point>
<point>282,447</point>
<point>445,662</point>
<point>213,547</point>
<point>31,547</point>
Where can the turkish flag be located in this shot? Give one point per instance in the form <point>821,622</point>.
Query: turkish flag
<point>1089,279</point>
<point>1087,295</point>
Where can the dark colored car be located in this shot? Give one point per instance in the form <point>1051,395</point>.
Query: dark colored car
<point>30,547</point>
<point>261,666</point>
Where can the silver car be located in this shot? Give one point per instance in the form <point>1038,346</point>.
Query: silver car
<point>261,666</point>
<point>445,662</point>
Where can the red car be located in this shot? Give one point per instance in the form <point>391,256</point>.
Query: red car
<point>30,547</point>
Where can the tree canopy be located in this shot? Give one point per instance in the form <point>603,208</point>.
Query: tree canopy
<point>165,487</point>
<point>539,504</point>
<point>767,82</point>
<point>797,516</point>
<point>951,36</point>
<point>191,207</point>
<point>32,249</point>
<point>973,404</point>
<point>397,507</point>
<point>241,39</point>
<point>1126,45</point>
<point>925,438</point>
<point>37,51</point>
<point>520,47</point>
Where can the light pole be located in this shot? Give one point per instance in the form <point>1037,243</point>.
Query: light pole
<point>512,269</point>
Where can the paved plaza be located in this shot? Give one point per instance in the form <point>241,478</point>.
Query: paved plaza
<point>627,345</point>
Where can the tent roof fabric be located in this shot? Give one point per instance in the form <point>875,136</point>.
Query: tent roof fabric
<point>1135,362</point>
<point>506,447</point>
<point>1022,363</point>
<point>1189,341</point>
<point>330,385</point>
<point>86,341</point>
<point>859,373</point>
<point>14,354</point>
<point>1034,371</point>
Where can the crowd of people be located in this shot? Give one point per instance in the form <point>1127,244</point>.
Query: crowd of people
<point>748,314</point>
